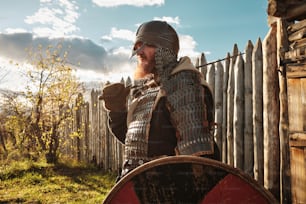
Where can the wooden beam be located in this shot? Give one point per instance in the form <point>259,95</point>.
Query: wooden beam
<point>276,8</point>
<point>297,35</point>
<point>289,10</point>
<point>297,26</point>
<point>296,12</point>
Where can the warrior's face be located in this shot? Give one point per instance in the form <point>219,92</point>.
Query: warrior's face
<point>145,57</point>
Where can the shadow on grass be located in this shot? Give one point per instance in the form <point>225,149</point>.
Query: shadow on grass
<point>89,177</point>
<point>85,176</point>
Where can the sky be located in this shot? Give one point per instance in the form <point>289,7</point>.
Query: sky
<point>101,33</point>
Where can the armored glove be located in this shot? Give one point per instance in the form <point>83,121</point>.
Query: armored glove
<point>115,97</point>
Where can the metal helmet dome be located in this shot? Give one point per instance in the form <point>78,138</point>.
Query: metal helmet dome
<point>159,34</point>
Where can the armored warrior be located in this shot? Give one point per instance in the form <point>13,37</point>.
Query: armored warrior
<point>171,106</point>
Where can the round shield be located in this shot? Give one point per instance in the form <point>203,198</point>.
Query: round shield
<point>187,179</point>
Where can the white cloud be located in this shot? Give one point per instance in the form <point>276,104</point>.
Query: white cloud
<point>86,56</point>
<point>187,46</point>
<point>122,34</point>
<point>46,32</point>
<point>56,18</point>
<point>122,50</point>
<point>168,19</point>
<point>137,3</point>
<point>15,30</point>
<point>106,38</point>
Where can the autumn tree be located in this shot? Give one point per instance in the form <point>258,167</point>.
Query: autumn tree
<point>52,87</point>
<point>14,120</point>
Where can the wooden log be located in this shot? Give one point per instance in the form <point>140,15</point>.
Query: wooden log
<point>219,104</point>
<point>239,113</point>
<point>202,62</point>
<point>102,159</point>
<point>230,108</point>
<point>297,35</point>
<point>296,54</point>
<point>271,113</point>
<point>298,44</point>
<point>289,10</point>
<point>197,62</point>
<point>94,126</point>
<point>211,77</point>
<point>296,12</point>
<point>276,8</point>
<point>257,96</point>
<point>86,131</point>
<point>285,183</point>
<point>224,121</point>
<point>78,106</point>
<point>296,26</point>
<point>248,113</point>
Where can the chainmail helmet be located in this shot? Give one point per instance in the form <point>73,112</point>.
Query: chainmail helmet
<point>159,34</point>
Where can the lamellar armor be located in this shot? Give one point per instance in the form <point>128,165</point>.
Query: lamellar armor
<point>190,103</point>
<point>186,101</point>
<point>144,93</point>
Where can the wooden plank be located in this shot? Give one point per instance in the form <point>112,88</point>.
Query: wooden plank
<point>298,136</point>
<point>297,70</point>
<point>271,113</point>
<point>257,96</point>
<point>248,112</point>
<point>297,104</point>
<point>298,174</point>
<point>297,143</point>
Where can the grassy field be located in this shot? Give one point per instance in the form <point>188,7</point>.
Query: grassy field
<point>29,182</point>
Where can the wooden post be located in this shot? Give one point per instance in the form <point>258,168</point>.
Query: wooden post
<point>238,113</point>
<point>219,105</point>
<point>224,121</point>
<point>285,183</point>
<point>203,61</point>
<point>230,109</point>
<point>271,113</point>
<point>211,78</point>
<point>94,125</point>
<point>86,131</point>
<point>248,124</point>
<point>257,75</point>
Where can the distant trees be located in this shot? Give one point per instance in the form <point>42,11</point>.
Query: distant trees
<point>35,116</point>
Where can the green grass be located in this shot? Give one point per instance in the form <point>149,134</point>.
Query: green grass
<point>29,182</point>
